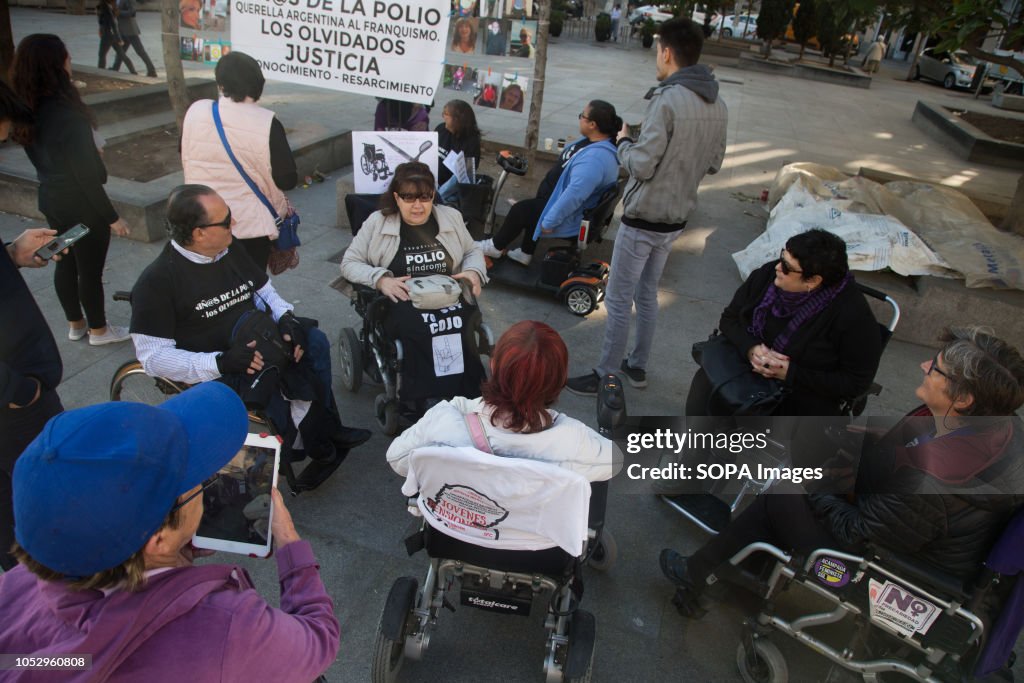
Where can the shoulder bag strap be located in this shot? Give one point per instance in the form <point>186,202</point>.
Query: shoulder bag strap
<point>238,166</point>
<point>476,432</point>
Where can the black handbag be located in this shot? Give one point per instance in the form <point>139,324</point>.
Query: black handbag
<point>255,325</point>
<point>734,386</point>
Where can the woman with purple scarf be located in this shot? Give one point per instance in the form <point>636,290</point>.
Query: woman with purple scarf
<point>801,320</point>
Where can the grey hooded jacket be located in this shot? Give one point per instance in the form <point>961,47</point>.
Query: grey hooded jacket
<point>682,139</point>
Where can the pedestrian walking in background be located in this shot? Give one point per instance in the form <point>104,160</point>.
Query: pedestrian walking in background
<point>876,51</point>
<point>130,35</point>
<point>110,37</point>
<point>616,17</point>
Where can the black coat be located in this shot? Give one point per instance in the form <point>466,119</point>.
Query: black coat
<point>832,356</point>
<point>948,520</point>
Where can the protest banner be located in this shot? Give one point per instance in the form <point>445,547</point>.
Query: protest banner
<point>385,48</point>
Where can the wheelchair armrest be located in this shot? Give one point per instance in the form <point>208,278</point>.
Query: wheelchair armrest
<point>930,576</point>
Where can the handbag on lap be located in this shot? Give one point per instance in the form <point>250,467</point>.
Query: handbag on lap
<point>733,384</point>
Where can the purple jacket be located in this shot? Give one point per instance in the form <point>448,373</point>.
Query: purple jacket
<point>195,624</point>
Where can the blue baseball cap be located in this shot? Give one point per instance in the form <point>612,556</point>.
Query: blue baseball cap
<point>99,481</point>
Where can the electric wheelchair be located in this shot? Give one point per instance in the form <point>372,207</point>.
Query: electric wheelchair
<point>487,574</point>
<point>909,617</point>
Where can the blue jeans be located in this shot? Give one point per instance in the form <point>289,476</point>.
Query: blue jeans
<point>638,260</point>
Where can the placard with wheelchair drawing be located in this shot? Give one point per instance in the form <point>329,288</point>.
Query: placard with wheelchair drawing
<point>376,155</point>
<point>237,509</point>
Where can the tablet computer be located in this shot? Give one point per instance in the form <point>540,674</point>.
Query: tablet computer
<point>237,509</point>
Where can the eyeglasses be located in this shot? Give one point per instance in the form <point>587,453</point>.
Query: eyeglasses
<point>583,115</point>
<point>226,223</point>
<point>786,268</point>
<point>934,367</point>
<point>411,197</point>
<point>206,484</point>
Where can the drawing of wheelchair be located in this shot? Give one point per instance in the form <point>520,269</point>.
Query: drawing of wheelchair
<point>373,163</point>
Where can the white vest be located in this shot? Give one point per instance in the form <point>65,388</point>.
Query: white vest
<point>206,162</point>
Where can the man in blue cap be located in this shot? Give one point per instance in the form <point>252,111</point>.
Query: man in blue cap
<point>106,501</point>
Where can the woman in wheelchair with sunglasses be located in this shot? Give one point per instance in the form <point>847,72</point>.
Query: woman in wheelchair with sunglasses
<point>411,237</point>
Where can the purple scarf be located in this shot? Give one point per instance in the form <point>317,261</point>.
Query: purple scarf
<point>798,307</point>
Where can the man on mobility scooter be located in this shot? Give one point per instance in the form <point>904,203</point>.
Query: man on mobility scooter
<point>204,311</point>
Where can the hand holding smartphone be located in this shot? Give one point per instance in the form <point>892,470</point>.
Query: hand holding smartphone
<point>62,242</point>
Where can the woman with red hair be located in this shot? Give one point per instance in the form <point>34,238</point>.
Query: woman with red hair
<point>528,370</point>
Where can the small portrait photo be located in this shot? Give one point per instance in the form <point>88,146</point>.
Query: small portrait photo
<point>519,9</point>
<point>492,8</point>
<point>458,77</point>
<point>464,8</point>
<point>487,86</point>
<point>496,36</point>
<point>464,32</point>
<point>191,12</point>
<point>524,39</point>
<point>513,92</point>
<point>185,44</point>
<point>215,13</point>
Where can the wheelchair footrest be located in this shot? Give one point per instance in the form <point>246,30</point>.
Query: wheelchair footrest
<point>706,509</point>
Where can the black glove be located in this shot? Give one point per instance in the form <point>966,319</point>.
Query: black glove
<point>235,360</point>
<point>288,325</point>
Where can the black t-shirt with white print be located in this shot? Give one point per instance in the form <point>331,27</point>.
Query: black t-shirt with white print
<point>420,253</point>
<point>195,304</point>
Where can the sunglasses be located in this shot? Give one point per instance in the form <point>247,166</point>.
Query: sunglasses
<point>410,197</point>
<point>226,223</point>
<point>583,115</point>
<point>206,484</point>
<point>786,268</point>
<point>934,367</point>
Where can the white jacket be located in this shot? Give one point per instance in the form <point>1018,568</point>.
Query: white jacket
<point>247,127</point>
<point>568,443</point>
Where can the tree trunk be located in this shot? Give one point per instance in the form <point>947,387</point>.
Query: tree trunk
<point>1014,221</point>
<point>800,57</point>
<point>172,60</point>
<point>916,53</point>
<point>6,41</point>
<point>539,65</point>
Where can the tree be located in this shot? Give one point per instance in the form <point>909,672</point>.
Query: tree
<point>6,42</point>
<point>773,20</point>
<point>830,35</point>
<point>176,90</point>
<point>804,24</point>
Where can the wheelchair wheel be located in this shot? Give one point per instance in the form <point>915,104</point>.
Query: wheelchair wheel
<point>389,647</point>
<point>351,352</point>
<point>581,300</point>
<point>764,665</point>
<point>131,383</point>
<point>582,636</point>
<point>387,414</point>
<point>605,553</point>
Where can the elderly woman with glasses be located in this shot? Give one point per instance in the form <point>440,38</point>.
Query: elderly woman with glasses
<point>940,485</point>
<point>800,320</point>
<point>409,237</point>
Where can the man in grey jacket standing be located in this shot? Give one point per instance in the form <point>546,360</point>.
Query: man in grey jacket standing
<point>682,139</point>
<point>129,30</point>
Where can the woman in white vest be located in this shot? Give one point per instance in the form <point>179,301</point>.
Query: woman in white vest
<point>258,142</point>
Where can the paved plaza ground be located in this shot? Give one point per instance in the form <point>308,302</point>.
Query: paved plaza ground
<point>357,520</point>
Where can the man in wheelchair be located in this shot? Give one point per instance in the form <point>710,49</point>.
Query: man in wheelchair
<point>940,486</point>
<point>204,311</point>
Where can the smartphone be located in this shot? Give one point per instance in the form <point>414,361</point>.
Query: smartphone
<point>237,507</point>
<point>62,242</point>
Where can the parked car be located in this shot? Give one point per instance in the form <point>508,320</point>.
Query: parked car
<point>953,70</point>
<point>1011,79</point>
<point>739,25</point>
<point>658,14</point>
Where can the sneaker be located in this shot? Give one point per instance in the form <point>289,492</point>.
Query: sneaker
<point>521,257</point>
<point>584,385</point>
<point>637,376</point>
<point>113,335</point>
<point>487,246</point>
<point>76,333</point>
<point>673,566</point>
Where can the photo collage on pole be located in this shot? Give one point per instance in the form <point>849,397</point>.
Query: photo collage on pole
<point>204,30</point>
<point>490,52</point>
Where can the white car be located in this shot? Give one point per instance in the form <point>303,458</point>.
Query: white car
<point>953,70</point>
<point>658,14</point>
<point>740,26</point>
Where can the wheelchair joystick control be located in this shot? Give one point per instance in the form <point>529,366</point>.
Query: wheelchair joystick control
<point>513,163</point>
<point>611,405</point>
